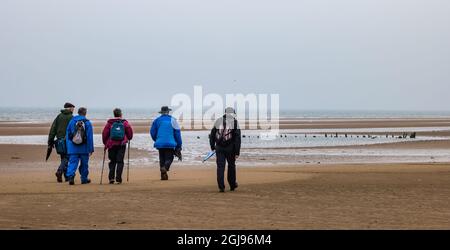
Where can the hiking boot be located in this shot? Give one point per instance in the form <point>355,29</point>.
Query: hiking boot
<point>72,181</point>
<point>164,176</point>
<point>111,181</point>
<point>234,187</point>
<point>58,176</point>
<point>86,182</point>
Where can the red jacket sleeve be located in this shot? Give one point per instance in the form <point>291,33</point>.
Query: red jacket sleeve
<point>105,134</point>
<point>128,130</point>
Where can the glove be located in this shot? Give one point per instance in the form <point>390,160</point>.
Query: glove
<point>178,154</point>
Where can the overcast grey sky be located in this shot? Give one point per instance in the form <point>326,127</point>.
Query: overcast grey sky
<point>317,54</point>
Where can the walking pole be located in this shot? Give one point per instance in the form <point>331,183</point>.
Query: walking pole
<point>103,166</point>
<point>128,167</point>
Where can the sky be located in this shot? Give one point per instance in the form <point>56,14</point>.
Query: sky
<point>316,54</point>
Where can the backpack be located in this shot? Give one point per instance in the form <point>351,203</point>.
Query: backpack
<point>225,136</point>
<point>117,132</point>
<point>79,137</point>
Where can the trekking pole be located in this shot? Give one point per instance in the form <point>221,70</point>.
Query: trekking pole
<point>103,166</point>
<point>128,167</point>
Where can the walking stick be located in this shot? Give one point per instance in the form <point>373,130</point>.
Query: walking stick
<point>103,166</point>
<point>128,167</point>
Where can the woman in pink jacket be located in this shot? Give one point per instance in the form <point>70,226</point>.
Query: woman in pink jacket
<point>116,134</point>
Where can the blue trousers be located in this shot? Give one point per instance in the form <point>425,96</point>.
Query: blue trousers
<point>64,163</point>
<point>74,160</point>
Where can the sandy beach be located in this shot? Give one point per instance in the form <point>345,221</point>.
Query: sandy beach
<point>350,196</point>
<point>271,196</point>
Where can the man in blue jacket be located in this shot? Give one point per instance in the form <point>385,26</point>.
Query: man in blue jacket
<point>80,145</point>
<point>166,134</point>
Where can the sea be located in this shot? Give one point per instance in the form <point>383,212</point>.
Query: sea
<point>33,114</point>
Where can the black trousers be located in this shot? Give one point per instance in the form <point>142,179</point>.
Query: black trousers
<point>166,156</point>
<point>116,154</point>
<point>221,157</point>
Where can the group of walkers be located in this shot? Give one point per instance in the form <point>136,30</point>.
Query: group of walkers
<point>73,139</point>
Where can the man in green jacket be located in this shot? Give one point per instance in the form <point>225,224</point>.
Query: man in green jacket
<point>58,130</point>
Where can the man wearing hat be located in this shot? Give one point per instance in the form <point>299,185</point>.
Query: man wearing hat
<point>225,139</point>
<point>165,132</point>
<point>58,130</point>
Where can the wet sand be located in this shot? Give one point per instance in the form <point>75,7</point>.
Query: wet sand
<point>436,144</point>
<point>142,126</point>
<point>359,196</point>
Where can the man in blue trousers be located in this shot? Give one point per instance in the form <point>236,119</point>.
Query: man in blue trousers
<point>80,146</point>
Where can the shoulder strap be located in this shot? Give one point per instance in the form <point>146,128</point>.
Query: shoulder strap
<point>224,121</point>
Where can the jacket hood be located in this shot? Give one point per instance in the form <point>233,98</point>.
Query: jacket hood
<point>79,117</point>
<point>112,120</point>
<point>66,112</point>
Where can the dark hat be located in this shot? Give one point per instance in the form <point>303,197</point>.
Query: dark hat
<point>165,109</point>
<point>68,105</point>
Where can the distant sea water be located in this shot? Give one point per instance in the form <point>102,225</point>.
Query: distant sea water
<point>48,114</point>
<point>13,114</point>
